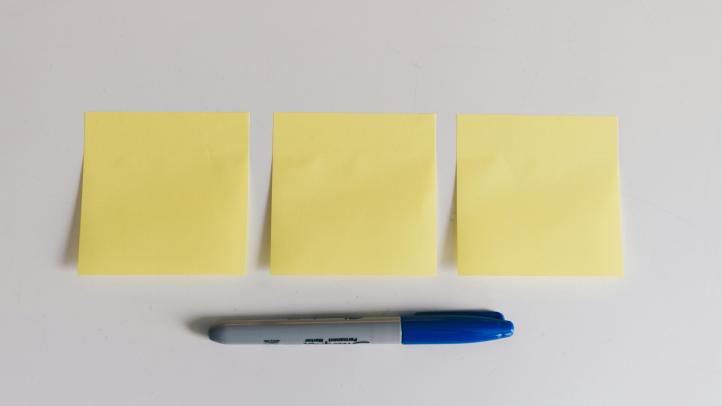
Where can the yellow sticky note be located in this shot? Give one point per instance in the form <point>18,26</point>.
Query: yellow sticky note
<point>353,194</point>
<point>164,194</point>
<point>537,195</point>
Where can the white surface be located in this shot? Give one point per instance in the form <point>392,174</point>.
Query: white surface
<point>652,337</point>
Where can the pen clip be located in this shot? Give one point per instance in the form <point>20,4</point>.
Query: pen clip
<point>478,313</point>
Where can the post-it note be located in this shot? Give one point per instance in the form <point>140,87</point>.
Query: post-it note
<point>164,193</point>
<point>353,194</point>
<point>537,195</point>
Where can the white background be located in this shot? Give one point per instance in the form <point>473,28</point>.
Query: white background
<point>652,337</point>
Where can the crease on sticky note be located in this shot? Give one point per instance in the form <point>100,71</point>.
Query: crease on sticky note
<point>164,194</point>
<point>538,195</point>
<point>353,194</point>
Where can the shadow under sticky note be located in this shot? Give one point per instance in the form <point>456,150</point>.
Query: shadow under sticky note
<point>538,195</point>
<point>353,194</point>
<point>164,194</point>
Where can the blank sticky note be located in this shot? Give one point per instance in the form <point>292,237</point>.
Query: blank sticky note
<point>164,194</point>
<point>537,195</point>
<point>353,194</point>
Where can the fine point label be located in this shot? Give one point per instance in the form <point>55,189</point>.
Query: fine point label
<point>335,340</point>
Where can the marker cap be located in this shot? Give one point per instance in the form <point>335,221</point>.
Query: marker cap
<point>454,327</point>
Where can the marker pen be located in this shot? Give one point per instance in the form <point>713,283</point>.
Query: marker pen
<point>441,327</point>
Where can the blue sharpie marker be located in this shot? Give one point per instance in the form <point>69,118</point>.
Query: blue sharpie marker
<point>442,327</point>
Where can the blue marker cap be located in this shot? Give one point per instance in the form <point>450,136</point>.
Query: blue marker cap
<point>454,327</point>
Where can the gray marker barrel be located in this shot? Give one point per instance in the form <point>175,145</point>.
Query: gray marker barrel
<point>341,330</point>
